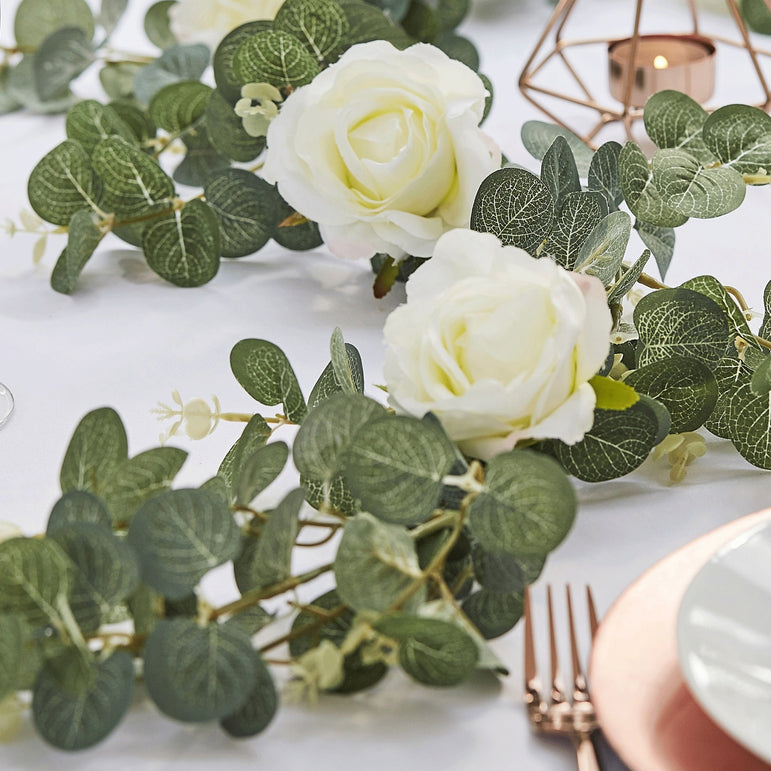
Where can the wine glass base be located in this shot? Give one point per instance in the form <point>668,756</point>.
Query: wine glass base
<point>6,404</point>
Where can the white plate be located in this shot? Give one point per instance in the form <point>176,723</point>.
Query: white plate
<point>724,639</point>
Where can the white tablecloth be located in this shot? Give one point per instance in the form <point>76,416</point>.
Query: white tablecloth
<point>126,339</point>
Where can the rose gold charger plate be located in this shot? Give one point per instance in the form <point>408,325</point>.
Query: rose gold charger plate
<point>643,703</point>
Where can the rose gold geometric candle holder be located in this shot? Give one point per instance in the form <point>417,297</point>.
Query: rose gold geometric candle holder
<point>638,65</point>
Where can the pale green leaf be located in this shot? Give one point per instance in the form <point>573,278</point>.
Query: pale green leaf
<point>259,470</point>
<point>110,13</point>
<point>602,253</point>
<point>21,89</point>
<point>341,365</point>
<point>328,384</point>
<point>765,327</point>
<point>35,20</point>
<point>254,436</point>
<point>749,423</point>
<point>579,215</point>
<point>740,136</point>
<point>156,24</point>
<point>673,120</point>
<point>537,137</point>
<point>117,79</point>
<point>661,242</point>
<point>628,279</point>
<point>559,172</point>
<point>62,56</point>
<point>83,236</point>
<point>613,394</point>
<point>15,635</point>
<point>178,62</point>
<point>604,175</point>
<point>78,506</point>
<point>761,377</point>
<point>227,132</point>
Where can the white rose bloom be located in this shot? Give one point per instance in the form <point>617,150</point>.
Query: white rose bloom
<point>383,149</point>
<point>498,344</point>
<point>208,21</point>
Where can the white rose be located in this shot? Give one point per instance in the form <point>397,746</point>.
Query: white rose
<point>498,344</point>
<point>383,149</point>
<point>208,21</point>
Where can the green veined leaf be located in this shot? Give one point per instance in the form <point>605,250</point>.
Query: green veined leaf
<point>179,105</point>
<point>184,247</point>
<point>661,242</point>
<point>62,56</point>
<point>604,175</point>
<point>618,442</point>
<point>178,62</point>
<point>578,216</point>
<point>431,651</point>
<point>259,470</point>
<point>537,137</point>
<point>641,194</point>
<point>77,718</point>
<point>98,444</point>
<point>680,322</point>
<point>118,79</point>
<point>246,208</point>
<point>493,613</point>
<point>254,436</point>
<point>527,504</point>
<point>515,206</point>
<point>35,20</point>
<point>459,48</point>
<point>367,23</point>
<point>328,384</point>
<point>265,373</point>
<point>674,120</point>
<point>196,674</point>
<point>89,122</point>
<point>602,253</point>
<point>134,480</point>
<point>505,573</point>
<point>20,88</point>
<point>274,57</point>
<point>138,121</point>
<point>370,547</point>
<point>110,13</point>
<point>83,237</point>
<point>749,421</point>
<point>35,576</point>
<point>559,172</point>
<point>267,561</point>
<point>422,22</point>
<point>15,636</point>
<point>686,387</point>
<point>299,238</point>
<point>396,465</point>
<point>156,24</point>
<point>692,190</point>
<point>740,136</point>
<point>202,158</point>
<point>259,708</point>
<point>761,377</point>
<point>730,373</point>
<point>62,183</point>
<point>629,278</point>
<point>227,132</point>
<point>228,85</point>
<point>133,182</point>
<point>179,536</point>
<point>78,506</point>
<point>321,25</point>
<point>765,327</point>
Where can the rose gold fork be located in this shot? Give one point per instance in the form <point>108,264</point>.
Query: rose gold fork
<point>571,716</point>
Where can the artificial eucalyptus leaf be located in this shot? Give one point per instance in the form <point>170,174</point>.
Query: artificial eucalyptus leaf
<point>274,57</point>
<point>184,246</point>
<point>740,136</point>
<point>730,373</point>
<point>227,132</point>
<point>394,9</point>
<point>156,24</point>
<point>603,174</point>
<point>673,120</point>
<point>526,506</point>
<point>78,718</point>
<point>202,159</point>
<point>198,673</point>
<point>179,105</point>
<point>333,496</point>
<point>765,327</point>
<point>179,536</point>
<point>298,237</point>
<point>117,79</point>
<point>254,436</point>
<point>328,383</point>
<point>78,506</point>
<point>617,443</point>
<point>628,278</point>
<point>370,547</point>
<point>83,236</point>
<point>138,121</point>
<point>515,206</point>
<point>504,573</point>
<point>680,322</point>
<point>260,469</point>
<point>422,22</point>
<point>367,23</point>
<point>602,253</point>
<point>228,85</point>
<point>395,465</point>
<point>761,377</point>
<point>268,561</point>
<point>265,373</point>
<point>757,14</point>
<point>110,13</point>
<point>15,634</point>
<point>748,418</point>
<point>641,193</point>
<point>537,137</point>
<point>431,651</point>
<point>35,20</point>
<point>245,206</point>
<point>493,613</point>
<point>97,446</point>
<point>321,25</point>
<point>89,122</point>
<point>259,708</point>
<point>459,48</point>
<point>35,576</point>
<point>61,57</point>
<point>20,88</point>
<point>661,242</point>
<point>578,216</point>
<point>693,190</point>
<point>134,480</point>
<point>559,172</point>
<point>176,63</point>
<point>686,387</point>
<point>62,183</point>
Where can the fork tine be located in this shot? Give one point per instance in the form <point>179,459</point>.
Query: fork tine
<point>533,697</point>
<point>557,695</point>
<point>593,623</point>
<point>580,691</point>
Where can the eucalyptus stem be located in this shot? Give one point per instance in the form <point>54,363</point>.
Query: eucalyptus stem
<point>254,596</point>
<point>442,520</point>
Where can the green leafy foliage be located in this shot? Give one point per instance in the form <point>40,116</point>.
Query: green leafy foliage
<point>156,24</point>
<point>175,64</point>
<point>274,57</point>
<point>89,122</point>
<point>179,105</point>
<point>259,708</point>
<point>538,137</point>
<point>62,56</point>
<point>35,20</point>
<point>82,239</point>
<point>321,25</point>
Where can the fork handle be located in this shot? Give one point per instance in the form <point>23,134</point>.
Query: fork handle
<point>585,754</point>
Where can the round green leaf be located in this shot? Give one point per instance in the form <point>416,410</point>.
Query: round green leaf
<point>14,638</point>
<point>61,57</point>
<point>89,122</point>
<point>259,470</point>
<point>78,506</point>
<point>256,713</point>
<point>493,613</point>
<point>83,237</point>
<point>227,132</point>
<point>674,120</point>
<point>603,251</point>
<point>298,238</point>
<point>156,24</point>
<point>227,83</point>
<point>196,674</point>
<point>178,62</point>
<point>579,215</point>
<point>184,247</point>
<point>538,137</point>
<point>36,19</point>
<point>603,174</point>
<point>254,436</point>
<point>505,573</point>
<point>757,14</point>
<point>274,57</point>
<point>179,105</point>
<point>321,25</point>
<point>740,136</point>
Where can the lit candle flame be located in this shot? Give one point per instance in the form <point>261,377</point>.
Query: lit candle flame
<point>660,62</point>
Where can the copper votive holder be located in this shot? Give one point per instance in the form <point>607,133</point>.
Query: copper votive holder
<point>683,63</point>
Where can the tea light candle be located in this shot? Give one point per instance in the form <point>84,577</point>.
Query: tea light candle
<point>680,62</point>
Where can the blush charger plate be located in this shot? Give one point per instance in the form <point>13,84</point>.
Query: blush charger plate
<point>643,704</point>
